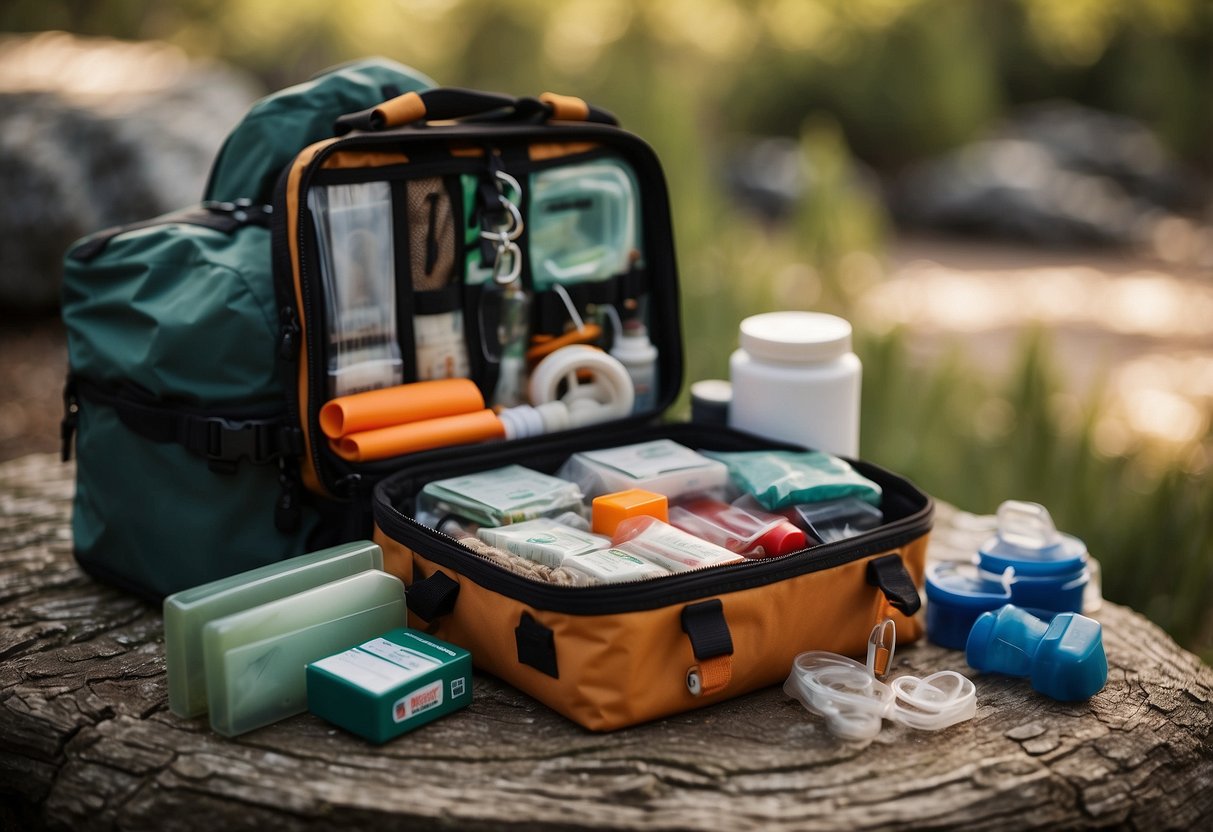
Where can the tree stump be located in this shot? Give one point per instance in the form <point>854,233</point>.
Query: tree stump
<point>87,741</point>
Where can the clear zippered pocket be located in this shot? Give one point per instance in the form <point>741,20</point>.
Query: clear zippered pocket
<point>356,259</point>
<point>427,319</point>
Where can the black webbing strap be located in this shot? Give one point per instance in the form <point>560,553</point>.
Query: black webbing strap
<point>708,630</point>
<point>222,440</point>
<point>433,597</point>
<point>890,575</point>
<point>536,645</point>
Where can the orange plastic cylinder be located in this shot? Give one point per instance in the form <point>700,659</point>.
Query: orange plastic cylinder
<point>397,405</point>
<point>463,429</point>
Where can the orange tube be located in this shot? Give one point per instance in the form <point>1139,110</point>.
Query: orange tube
<point>399,405</point>
<point>462,429</point>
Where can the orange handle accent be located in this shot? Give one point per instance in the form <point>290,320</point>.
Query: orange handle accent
<point>541,349</point>
<point>398,405</point>
<point>566,107</point>
<point>419,436</point>
<point>403,109</point>
<point>715,674</point>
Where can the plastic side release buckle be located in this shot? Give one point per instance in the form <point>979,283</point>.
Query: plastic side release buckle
<point>227,442</point>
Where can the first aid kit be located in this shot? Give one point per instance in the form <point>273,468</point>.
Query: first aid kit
<point>652,625</point>
<point>468,319</point>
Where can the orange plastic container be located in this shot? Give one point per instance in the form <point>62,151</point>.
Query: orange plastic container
<point>612,509</point>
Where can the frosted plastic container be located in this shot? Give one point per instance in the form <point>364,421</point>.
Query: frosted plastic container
<point>796,380</point>
<point>661,466</point>
<point>255,659</point>
<point>188,611</point>
<point>751,532</point>
<point>543,540</point>
<point>583,222</point>
<point>668,547</point>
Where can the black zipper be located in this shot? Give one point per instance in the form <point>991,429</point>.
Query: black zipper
<point>652,593</point>
<point>288,507</point>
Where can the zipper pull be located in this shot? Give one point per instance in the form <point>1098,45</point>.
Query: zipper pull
<point>288,345</point>
<point>242,210</point>
<point>287,512</point>
<point>71,416</point>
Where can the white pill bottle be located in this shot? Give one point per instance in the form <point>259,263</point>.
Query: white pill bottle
<point>795,379</point>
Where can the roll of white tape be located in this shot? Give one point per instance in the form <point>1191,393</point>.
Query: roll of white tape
<point>608,395</point>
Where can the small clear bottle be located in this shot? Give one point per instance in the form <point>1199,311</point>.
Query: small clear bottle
<point>639,357</point>
<point>795,379</point>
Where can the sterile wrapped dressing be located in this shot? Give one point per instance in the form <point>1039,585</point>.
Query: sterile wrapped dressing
<point>662,466</point>
<point>543,540</point>
<point>498,497</point>
<point>669,547</point>
<point>609,566</point>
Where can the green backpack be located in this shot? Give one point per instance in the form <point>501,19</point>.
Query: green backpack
<point>186,464</point>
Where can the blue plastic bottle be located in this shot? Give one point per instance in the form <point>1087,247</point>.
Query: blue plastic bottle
<point>1049,568</point>
<point>1064,658</point>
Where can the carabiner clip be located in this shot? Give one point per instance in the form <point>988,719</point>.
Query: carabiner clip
<point>882,644</point>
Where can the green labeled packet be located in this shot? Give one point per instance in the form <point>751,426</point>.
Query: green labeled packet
<point>779,479</point>
<point>498,497</point>
<point>390,685</point>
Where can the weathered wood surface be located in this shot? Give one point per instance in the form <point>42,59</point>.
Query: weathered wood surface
<point>86,739</point>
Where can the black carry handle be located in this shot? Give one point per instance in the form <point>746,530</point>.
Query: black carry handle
<point>433,597</point>
<point>889,574</point>
<point>445,103</point>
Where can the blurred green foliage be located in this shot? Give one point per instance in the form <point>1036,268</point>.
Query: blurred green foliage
<point>903,77</point>
<point>886,81</point>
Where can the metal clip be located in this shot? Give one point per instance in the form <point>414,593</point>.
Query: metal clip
<point>504,235</point>
<point>882,644</point>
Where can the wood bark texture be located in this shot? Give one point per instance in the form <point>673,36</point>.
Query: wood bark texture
<point>87,741</point>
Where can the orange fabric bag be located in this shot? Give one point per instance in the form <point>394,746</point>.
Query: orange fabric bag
<point>618,654</point>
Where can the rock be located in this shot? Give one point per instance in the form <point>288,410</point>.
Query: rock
<point>1055,173</point>
<point>95,133</point>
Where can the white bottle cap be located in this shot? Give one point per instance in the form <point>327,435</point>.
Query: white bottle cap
<point>796,337</point>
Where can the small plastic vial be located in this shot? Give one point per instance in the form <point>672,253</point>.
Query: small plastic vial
<point>636,352</point>
<point>795,379</point>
